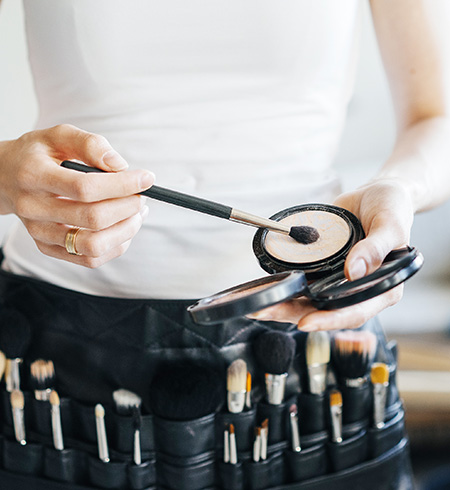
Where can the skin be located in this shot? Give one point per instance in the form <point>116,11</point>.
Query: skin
<point>50,199</point>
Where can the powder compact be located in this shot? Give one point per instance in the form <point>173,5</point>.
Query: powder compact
<point>313,269</point>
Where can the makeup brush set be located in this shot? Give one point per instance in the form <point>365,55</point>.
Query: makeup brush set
<point>294,409</point>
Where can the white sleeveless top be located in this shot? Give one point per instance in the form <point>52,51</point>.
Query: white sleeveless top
<point>240,102</point>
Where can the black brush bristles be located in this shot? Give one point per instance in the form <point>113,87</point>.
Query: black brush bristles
<point>15,333</point>
<point>274,351</point>
<point>352,353</point>
<point>42,377</point>
<point>186,390</point>
<point>304,234</point>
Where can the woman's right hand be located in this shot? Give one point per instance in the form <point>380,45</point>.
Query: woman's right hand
<point>50,199</point>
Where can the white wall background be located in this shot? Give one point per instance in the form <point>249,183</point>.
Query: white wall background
<point>367,140</point>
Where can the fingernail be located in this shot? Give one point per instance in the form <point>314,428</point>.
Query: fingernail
<point>147,180</point>
<point>144,212</point>
<point>308,328</point>
<point>357,269</point>
<point>114,161</point>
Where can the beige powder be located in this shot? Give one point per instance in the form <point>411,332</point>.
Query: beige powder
<point>334,233</point>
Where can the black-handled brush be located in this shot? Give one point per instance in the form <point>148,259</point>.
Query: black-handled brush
<point>302,234</point>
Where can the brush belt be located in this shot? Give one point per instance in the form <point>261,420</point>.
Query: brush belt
<point>99,344</point>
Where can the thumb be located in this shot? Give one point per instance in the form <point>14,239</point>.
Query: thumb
<point>368,254</point>
<point>92,149</point>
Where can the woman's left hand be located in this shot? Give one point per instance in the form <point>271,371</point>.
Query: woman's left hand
<point>386,212</point>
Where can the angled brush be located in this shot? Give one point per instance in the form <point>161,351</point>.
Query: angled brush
<point>302,234</point>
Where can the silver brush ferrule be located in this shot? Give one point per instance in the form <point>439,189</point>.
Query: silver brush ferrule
<point>137,455</point>
<point>19,425</point>
<point>275,386</point>
<point>336,423</point>
<point>258,222</point>
<point>103,452</point>
<point>236,401</point>
<point>379,404</point>
<point>13,378</point>
<point>295,433</point>
<point>57,428</point>
<point>317,378</point>
<point>42,395</point>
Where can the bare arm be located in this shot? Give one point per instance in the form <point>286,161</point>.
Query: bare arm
<point>415,62</point>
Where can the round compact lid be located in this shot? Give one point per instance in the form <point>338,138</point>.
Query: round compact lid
<point>248,297</point>
<point>336,291</point>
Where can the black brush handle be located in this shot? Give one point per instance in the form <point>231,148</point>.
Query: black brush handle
<point>166,195</point>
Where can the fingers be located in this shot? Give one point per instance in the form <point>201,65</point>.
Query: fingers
<point>68,141</point>
<point>95,247</point>
<point>386,213</point>
<point>80,186</point>
<point>352,316</point>
<point>367,255</point>
<point>95,216</point>
<point>287,312</point>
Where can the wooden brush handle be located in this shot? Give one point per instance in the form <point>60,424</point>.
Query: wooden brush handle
<point>166,195</point>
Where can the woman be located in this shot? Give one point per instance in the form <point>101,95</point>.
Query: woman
<point>238,102</point>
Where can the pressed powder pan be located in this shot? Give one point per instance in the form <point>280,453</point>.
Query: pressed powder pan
<point>314,270</point>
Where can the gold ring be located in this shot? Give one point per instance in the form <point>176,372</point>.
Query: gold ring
<point>69,242</point>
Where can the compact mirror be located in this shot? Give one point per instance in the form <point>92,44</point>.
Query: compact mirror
<point>331,292</point>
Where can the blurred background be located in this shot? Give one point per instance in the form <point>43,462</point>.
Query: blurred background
<point>421,321</point>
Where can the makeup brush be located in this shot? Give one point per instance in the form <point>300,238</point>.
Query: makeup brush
<point>125,401</point>
<point>274,352</point>
<point>317,359</point>
<point>302,234</point>
<point>102,441</point>
<point>15,336</point>
<point>128,403</point>
<point>233,447</point>
<point>58,441</point>
<point>17,406</point>
<point>42,378</point>
<point>295,433</point>
<point>379,375</point>
<point>183,390</point>
<point>236,386</point>
<point>336,415</point>
<point>352,353</point>
<point>248,388</point>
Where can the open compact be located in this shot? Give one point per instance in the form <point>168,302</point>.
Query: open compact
<point>314,269</point>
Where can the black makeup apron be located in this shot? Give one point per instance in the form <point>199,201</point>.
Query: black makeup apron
<point>100,344</point>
